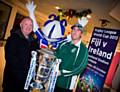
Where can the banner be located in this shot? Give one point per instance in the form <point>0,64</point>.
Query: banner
<point>100,53</point>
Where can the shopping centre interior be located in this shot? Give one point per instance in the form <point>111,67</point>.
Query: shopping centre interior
<point>103,14</point>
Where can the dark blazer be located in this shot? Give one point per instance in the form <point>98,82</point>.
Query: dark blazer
<point>17,55</point>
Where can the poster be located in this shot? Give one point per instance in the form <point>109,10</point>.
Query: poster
<point>100,53</point>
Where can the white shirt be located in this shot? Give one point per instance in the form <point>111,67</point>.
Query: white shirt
<point>78,45</point>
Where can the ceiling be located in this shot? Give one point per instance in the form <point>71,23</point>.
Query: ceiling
<point>100,9</point>
<point>97,6</point>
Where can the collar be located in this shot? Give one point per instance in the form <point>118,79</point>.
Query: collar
<point>78,44</point>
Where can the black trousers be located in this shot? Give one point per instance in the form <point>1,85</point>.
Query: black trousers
<point>58,89</point>
<point>14,89</point>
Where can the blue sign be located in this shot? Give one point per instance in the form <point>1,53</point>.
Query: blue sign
<point>100,53</point>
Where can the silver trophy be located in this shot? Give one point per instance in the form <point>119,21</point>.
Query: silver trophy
<point>43,70</point>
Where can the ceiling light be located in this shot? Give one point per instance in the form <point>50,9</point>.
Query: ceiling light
<point>89,16</point>
<point>57,7</point>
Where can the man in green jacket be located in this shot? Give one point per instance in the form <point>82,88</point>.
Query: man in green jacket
<point>74,56</point>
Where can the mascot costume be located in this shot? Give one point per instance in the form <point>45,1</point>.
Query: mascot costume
<point>53,31</point>
<point>44,70</point>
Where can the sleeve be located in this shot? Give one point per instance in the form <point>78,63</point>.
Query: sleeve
<point>11,51</point>
<point>35,44</point>
<point>59,48</point>
<point>56,53</point>
<point>80,69</point>
<point>15,59</point>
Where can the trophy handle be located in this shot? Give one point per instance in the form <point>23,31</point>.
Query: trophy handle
<point>31,70</point>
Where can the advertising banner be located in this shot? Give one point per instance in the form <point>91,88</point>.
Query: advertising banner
<point>100,53</point>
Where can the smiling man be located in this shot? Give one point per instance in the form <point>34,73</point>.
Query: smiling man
<point>18,55</point>
<point>74,56</point>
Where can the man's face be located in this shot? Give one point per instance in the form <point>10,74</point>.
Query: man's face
<point>76,33</point>
<point>26,26</point>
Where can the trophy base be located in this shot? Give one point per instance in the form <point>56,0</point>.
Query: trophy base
<point>37,86</point>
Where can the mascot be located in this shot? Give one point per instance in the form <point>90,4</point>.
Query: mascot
<point>44,65</point>
<point>52,32</point>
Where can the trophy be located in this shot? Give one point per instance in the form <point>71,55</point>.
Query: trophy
<point>43,71</point>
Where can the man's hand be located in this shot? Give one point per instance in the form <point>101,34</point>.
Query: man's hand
<point>59,73</point>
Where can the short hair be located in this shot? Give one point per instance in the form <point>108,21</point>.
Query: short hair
<point>26,17</point>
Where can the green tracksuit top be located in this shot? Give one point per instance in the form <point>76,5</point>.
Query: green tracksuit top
<point>67,53</point>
